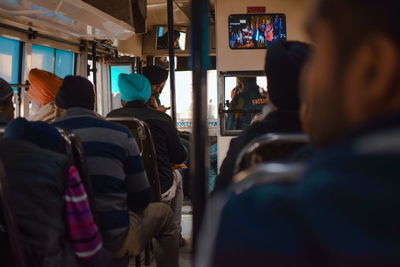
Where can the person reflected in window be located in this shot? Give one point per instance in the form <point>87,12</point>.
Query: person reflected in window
<point>42,92</point>
<point>6,104</point>
<point>247,97</point>
<point>283,65</point>
<point>162,42</point>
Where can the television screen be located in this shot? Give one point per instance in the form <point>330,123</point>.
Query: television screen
<point>179,38</point>
<point>256,31</point>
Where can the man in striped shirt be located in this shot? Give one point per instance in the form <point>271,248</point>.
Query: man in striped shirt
<point>122,192</point>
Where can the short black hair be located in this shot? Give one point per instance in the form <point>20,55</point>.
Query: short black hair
<point>357,20</point>
<point>247,80</point>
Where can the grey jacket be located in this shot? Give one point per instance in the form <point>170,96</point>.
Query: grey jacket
<point>37,181</point>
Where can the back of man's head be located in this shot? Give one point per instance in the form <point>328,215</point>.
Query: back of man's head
<point>6,105</point>
<point>352,78</point>
<point>283,65</point>
<point>76,91</point>
<point>155,74</point>
<point>247,80</point>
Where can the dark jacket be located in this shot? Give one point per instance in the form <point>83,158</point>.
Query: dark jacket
<point>37,181</point>
<point>276,122</point>
<point>166,140</point>
<point>250,100</point>
<point>3,120</point>
<point>344,210</point>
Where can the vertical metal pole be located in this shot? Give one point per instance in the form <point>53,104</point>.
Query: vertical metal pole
<point>94,67</point>
<point>94,71</point>
<point>171,47</point>
<point>200,148</point>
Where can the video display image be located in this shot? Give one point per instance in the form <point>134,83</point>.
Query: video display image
<point>162,38</point>
<point>256,31</point>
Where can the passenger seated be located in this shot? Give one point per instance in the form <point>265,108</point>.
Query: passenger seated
<point>6,103</point>
<point>344,211</point>
<point>135,92</point>
<point>122,192</point>
<point>158,78</point>
<point>52,211</point>
<point>283,64</point>
<point>42,92</point>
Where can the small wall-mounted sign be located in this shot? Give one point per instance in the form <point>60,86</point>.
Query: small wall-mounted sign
<point>256,9</point>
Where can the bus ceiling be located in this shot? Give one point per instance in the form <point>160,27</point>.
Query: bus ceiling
<point>69,19</point>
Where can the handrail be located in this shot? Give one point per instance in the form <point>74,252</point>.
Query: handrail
<point>268,139</point>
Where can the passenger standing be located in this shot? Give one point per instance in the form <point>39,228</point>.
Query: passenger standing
<point>42,92</point>
<point>121,188</point>
<point>6,103</point>
<point>283,64</point>
<point>135,93</point>
<point>344,209</point>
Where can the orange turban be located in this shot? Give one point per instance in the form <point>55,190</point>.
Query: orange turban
<point>44,86</point>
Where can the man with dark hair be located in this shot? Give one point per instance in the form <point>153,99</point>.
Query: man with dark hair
<point>158,77</point>
<point>6,103</point>
<point>344,210</point>
<point>284,62</point>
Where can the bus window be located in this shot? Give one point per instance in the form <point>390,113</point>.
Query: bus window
<point>244,98</point>
<point>57,61</point>
<point>64,63</point>
<point>184,95</point>
<point>115,71</point>
<point>10,60</point>
<point>42,58</point>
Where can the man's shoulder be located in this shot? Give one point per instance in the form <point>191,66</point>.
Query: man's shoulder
<point>90,122</point>
<point>16,149</point>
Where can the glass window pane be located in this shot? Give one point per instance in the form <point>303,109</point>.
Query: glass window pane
<point>9,59</point>
<point>64,63</point>
<point>246,99</point>
<point>43,58</point>
<point>115,72</point>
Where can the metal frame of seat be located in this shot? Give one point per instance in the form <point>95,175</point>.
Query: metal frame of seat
<point>10,222</point>
<point>2,131</point>
<point>147,150</point>
<point>262,143</point>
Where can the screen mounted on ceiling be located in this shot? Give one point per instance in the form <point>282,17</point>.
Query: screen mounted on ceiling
<point>256,31</point>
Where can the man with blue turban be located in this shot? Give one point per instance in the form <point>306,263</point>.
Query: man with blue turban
<point>135,93</point>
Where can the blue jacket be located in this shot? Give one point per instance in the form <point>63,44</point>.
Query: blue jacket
<point>344,211</point>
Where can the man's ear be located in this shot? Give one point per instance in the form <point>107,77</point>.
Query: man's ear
<point>370,78</point>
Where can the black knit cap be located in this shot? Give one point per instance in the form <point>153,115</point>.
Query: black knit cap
<point>283,65</point>
<point>155,74</point>
<point>5,91</point>
<point>76,91</point>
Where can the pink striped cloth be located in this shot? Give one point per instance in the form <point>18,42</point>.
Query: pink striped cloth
<point>84,233</point>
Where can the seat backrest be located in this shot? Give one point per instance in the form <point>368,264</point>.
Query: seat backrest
<point>270,147</point>
<point>75,151</point>
<point>144,139</point>
<point>12,252</point>
<point>266,173</point>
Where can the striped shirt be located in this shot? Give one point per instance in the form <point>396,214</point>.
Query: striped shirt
<point>115,166</point>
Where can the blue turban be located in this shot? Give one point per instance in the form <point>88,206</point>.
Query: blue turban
<point>134,87</point>
<point>39,133</point>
